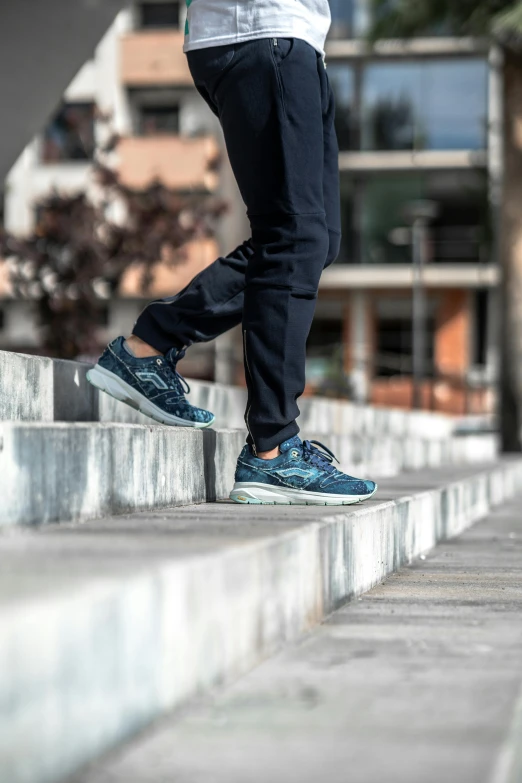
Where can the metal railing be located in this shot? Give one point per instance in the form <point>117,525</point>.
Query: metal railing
<point>467,393</point>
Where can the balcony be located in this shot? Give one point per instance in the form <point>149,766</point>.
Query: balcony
<point>6,290</point>
<point>411,161</point>
<point>178,163</point>
<point>400,276</point>
<point>169,280</point>
<point>154,58</point>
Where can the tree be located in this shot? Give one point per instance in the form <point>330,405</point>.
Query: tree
<point>502,21</point>
<point>77,254</point>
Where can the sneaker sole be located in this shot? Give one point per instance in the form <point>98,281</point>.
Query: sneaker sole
<point>116,387</point>
<point>265,495</point>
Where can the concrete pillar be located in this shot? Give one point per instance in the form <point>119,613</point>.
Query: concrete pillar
<point>357,341</point>
<point>233,230</point>
<point>227,356</point>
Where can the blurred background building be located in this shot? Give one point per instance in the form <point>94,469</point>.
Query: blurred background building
<point>416,121</point>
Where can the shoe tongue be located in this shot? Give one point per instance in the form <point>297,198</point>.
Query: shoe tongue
<point>293,443</point>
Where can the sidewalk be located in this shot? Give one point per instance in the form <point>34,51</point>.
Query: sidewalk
<point>417,681</point>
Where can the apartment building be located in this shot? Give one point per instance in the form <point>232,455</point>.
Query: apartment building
<point>137,84</point>
<point>416,121</point>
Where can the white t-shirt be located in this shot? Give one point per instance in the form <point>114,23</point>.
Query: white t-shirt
<point>221,22</point>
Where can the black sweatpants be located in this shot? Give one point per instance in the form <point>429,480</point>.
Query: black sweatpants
<point>276,107</point>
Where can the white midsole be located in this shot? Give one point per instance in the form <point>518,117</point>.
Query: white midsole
<point>107,381</point>
<point>265,493</point>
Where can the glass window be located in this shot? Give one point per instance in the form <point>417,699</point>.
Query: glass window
<point>342,18</point>
<point>384,203</point>
<point>342,80</point>
<point>155,120</point>
<point>429,31</point>
<point>70,134</point>
<point>349,242</point>
<point>159,15</point>
<point>419,105</point>
<point>324,358</point>
<point>349,18</point>
<point>395,346</point>
<point>460,233</point>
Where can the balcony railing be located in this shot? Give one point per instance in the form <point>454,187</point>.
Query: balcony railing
<point>447,245</point>
<point>458,244</point>
<point>154,58</point>
<point>179,163</point>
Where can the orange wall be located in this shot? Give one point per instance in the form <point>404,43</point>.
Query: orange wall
<point>453,333</point>
<point>169,280</point>
<point>179,163</point>
<point>154,58</point>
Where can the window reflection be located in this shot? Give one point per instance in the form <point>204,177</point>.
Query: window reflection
<point>384,202</point>
<point>460,233</point>
<point>342,18</point>
<point>349,18</point>
<point>349,241</point>
<point>342,81</point>
<point>70,134</point>
<point>394,339</point>
<point>425,105</point>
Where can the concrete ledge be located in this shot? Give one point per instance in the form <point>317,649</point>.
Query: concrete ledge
<point>509,764</point>
<point>45,390</point>
<point>52,472</point>
<point>26,388</point>
<point>105,627</point>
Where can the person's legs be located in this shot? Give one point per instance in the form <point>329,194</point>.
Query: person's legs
<point>209,306</point>
<point>270,101</point>
<point>212,303</point>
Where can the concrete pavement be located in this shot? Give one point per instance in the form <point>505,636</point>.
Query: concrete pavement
<point>417,681</point>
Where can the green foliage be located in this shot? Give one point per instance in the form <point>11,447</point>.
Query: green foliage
<point>406,18</point>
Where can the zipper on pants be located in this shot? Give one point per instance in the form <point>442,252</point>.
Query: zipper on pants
<point>247,366</point>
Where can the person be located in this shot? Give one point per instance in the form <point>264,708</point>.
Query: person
<point>260,66</point>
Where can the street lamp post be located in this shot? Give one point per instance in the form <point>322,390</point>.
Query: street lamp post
<point>420,214</point>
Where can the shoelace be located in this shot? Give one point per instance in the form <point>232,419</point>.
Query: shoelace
<point>321,459</point>
<point>172,359</point>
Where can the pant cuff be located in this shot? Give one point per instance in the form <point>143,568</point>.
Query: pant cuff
<point>264,442</point>
<point>148,330</point>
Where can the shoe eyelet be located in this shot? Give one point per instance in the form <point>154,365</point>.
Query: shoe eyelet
<point>158,361</point>
<point>295,453</point>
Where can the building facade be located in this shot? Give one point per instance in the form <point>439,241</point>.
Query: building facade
<point>416,121</point>
<point>138,86</point>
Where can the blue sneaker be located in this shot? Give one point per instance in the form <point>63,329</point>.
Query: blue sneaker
<point>152,386</point>
<point>302,475</point>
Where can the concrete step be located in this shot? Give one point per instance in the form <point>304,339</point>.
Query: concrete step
<point>106,626</point>
<point>54,471</point>
<point>44,390</point>
<point>420,680</point>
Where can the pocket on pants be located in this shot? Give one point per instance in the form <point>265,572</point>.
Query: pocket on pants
<point>282,48</point>
<point>205,64</point>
